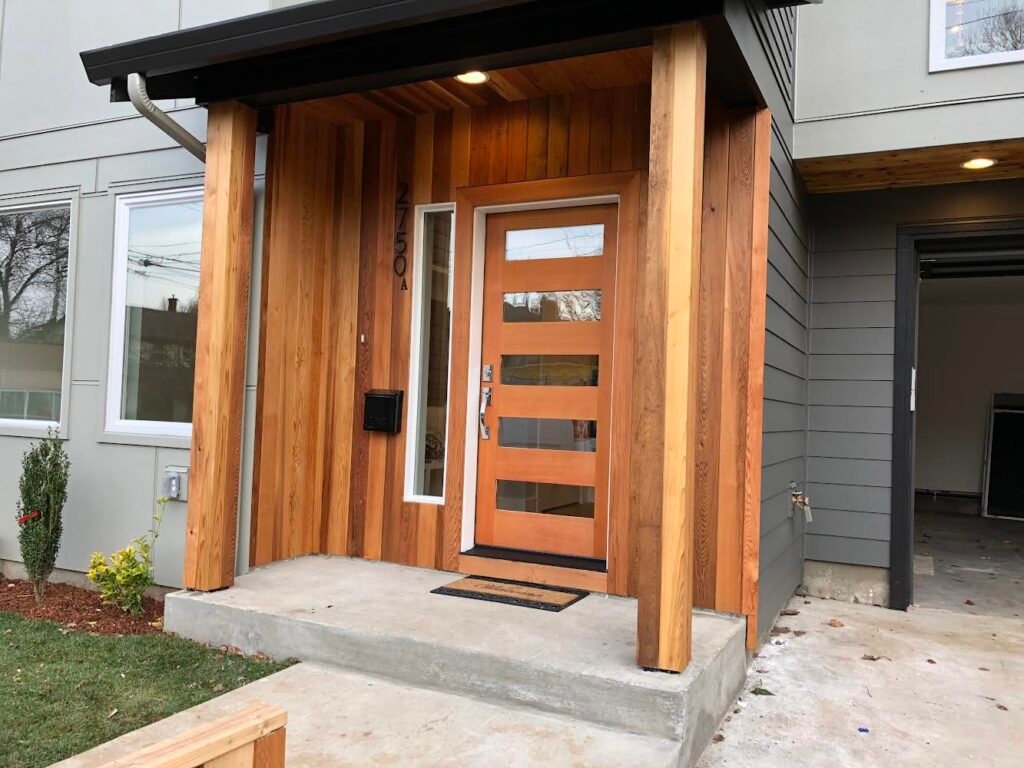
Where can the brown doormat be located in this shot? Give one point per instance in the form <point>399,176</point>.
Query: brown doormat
<point>539,596</point>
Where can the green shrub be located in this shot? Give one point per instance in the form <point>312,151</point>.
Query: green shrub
<point>43,489</point>
<point>125,576</point>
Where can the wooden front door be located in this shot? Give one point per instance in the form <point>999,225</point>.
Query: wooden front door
<point>546,379</point>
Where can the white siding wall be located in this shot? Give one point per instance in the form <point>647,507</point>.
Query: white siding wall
<point>863,84</point>
<point>60,137</point>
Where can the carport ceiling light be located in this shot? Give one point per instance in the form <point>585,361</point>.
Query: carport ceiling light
<point>978,163</point>
<point>474,77</point>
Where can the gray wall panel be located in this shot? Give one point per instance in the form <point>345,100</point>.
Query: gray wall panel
<point>786,295</point>
<point>785,326</point>
<point>854,314</point>
<point>851,263</point>
<point>851,367</point>
<point>778,581</point>
<point>855,288</point>
<point>777,477</point>
<point>859,341</point>
<point>871,472</point>
<point>830,418</point>
<point>785,357</point>
<point>852,497</point>
<point>775,510</point>
<point>784,417</point>
<point>777,447</point>
<point>842,549</point>
<point>778,539</point>
<point>849,445</point>
<point>785,386</point>
<point>833,392</point>
<point>857,525</point>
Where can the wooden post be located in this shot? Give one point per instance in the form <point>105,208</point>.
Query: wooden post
<point>753,436</point>
<point>668,280</point>
<point>220,347</point>
<point>734,243</point>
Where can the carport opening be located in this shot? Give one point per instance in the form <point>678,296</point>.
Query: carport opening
<point>969,435</point>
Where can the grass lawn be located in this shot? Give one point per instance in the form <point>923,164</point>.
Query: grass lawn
<point>63,692</point>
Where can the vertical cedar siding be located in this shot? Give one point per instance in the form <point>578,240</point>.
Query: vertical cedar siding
<point>348,499</point>
<point>767,38</point>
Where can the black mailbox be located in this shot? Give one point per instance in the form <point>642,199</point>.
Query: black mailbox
<point>382,411</point>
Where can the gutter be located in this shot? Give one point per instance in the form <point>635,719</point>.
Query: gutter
<point>140,100</point>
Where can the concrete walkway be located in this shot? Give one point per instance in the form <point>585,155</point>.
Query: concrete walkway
<point>342,720</point>
<point>948,689</point>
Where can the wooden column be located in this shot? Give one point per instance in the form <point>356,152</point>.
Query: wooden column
<point>668,279</point>
<point>220,347</point>
<point>737,165</point>
<point>754,421</point>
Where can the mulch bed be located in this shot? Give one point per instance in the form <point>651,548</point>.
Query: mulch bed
<point>79,609</point>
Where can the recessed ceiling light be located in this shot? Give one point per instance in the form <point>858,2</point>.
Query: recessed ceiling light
<point>978,163</point>
<point>475,77</point>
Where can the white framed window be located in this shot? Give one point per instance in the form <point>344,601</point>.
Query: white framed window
<point>36,283</point>
<point>154,312</point>
<point>426,444</point>
<point>975,33</point>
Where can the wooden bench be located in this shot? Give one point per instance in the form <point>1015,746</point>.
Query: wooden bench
<point>250,738</point>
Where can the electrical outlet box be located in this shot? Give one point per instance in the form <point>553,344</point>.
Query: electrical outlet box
<point>175,483</point>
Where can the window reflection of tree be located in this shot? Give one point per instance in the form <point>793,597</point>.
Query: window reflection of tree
<point>994,26</point>
<point>33,274</point>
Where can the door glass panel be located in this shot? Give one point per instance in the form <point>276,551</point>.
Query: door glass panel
<point>549,370</point>
<point>548,434</point>
<point>552,307</point>
<point>546,498</point>
<point>554,242</point>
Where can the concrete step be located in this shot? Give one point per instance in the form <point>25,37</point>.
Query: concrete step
<point>339,718</point>
<point>380,620</point>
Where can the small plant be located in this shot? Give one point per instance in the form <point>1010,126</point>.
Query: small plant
<point>124,577</point>
<point>43,490</point>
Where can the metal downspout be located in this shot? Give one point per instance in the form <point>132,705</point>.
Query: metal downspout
<point>141,101</point>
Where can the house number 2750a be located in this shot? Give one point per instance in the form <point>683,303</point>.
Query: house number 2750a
<point>401,260</point>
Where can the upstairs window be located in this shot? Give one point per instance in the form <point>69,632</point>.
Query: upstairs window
<point>154,313</point>
<point>34,268</point>
<point>975,33</point>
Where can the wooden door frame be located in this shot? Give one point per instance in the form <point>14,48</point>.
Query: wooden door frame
<point>472,205</point>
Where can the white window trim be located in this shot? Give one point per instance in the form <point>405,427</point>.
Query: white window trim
<point>114,425</point>
<point>937,61</point>
<point>31,427</point>
<point>418,352</point>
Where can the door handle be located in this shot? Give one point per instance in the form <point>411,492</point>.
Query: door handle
<point>485,400</point>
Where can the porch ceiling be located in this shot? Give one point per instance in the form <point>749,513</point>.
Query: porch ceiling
<point>911,167</point>
<point>598,71</point>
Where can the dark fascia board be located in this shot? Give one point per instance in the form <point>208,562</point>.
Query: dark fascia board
<point>338,46</point>
<point>270,31</point>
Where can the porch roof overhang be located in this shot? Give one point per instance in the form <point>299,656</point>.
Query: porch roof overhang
<point>337,46</point>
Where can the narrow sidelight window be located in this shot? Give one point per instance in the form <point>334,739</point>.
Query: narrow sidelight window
<point>154,313</point>
<point>34,268</point>
<point>428,373</point>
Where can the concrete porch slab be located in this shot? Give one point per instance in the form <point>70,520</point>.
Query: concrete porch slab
<point>339,718</point>
<point>380,619</point>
